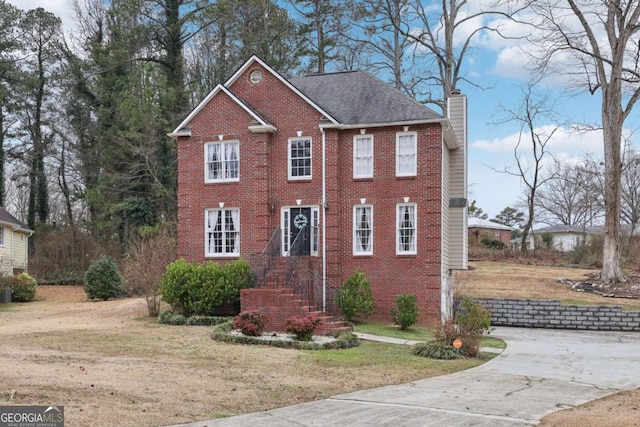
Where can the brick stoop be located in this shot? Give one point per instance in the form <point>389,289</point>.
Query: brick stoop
<point>279,304</point>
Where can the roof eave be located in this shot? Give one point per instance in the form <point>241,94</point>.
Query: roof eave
<point>177,134</point>
<point>450,137</point>
<point>262,128</point>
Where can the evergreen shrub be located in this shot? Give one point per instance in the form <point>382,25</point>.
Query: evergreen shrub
<point>204,289</point>
<point>355,298</point>
<point>23,288</point>
<point>406,313</point>
<point>103,280</point>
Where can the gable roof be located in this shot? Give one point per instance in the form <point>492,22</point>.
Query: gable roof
<point>344,99</point>
<point>182,129</point>
<point>357,97</point>
<point>9,220</point>
<point>474,222</point>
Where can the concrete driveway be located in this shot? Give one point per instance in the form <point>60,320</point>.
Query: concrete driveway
<point>540,372</point>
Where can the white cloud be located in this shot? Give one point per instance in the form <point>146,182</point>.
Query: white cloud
<point>564,141</point>
<point>61,8</point>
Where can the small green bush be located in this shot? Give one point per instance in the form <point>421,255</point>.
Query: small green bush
<point>406,313</point>
<point>355,298</point>
<point>168,317</point>
<point>250,323</point>
<point>23,287</point>
<point>207,320</point>
<point>471,320</point>
<point>103,280</point>
<point>302,327</point>
<point>436,350</point>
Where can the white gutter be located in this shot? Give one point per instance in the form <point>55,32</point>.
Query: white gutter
<point>385,124</point>
<point>324,220</point>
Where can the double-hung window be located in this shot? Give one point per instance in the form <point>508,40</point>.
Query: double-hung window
<point>300,158</point>
<point>406,229</point>
<point>363,156</point>
<point>406,154</point>
<point>1,236</point>
<point>363,230</point>
<point>222,232</point>
<point>222,161</point>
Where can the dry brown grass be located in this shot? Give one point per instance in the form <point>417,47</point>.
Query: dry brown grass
<point>109,365</point>
<point>512,280</point>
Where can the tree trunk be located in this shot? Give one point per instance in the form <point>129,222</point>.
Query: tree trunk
<point>612,120</point>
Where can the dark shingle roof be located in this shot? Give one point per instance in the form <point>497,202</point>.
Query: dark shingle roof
<point>357,97</point>
<point>8,219</point>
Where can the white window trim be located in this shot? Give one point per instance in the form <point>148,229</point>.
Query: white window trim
<point>315,230</point>
<point>289,168</point>
<point>285,244</point>
<point>207,180</point>
<point>415,228</point>
<point>2,236</point>
<point>223,254</point>
<point>355,139</point>
<point>356,252</point>
<point>415,166</point>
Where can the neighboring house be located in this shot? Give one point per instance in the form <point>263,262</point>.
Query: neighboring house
<point>316,177</point>
<point>14,244</point>
<point>565,237</point>
<point>479,228</point>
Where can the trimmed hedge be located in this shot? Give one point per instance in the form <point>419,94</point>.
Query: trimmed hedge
<point>205,289</point>
<point>168,317</point>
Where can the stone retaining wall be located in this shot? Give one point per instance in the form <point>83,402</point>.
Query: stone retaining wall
<point>552,314</point>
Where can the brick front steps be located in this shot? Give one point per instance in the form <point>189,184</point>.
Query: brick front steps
<point>279,304</point>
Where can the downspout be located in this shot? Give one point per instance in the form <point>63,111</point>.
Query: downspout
<point>324,220</point>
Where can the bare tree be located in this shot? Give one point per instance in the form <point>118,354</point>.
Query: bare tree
<point>440,33</point>
<point>570,195</point>
<point>533,109</point>
<point>603,38</point>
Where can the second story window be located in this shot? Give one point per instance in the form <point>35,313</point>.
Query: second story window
<point>222,161</point>
<point>300,158</point>
<point>363,156</point>
<point>406,154</point>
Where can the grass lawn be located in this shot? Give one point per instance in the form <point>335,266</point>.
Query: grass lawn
<point>415,333</point>
<point>109,365</point>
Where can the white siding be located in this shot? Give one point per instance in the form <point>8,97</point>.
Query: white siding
<point>457,218</point>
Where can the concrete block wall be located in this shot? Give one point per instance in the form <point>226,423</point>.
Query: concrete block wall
<point>554,315</point>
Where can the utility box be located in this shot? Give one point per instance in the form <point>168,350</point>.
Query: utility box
<point>5,295</point>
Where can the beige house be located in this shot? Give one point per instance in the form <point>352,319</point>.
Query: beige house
<point>14,244</point>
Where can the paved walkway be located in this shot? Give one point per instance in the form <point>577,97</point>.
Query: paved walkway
<point>541,371</point>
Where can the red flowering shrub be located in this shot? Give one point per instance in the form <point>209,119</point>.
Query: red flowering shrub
<point>302,327</point>
<point>250,323</point>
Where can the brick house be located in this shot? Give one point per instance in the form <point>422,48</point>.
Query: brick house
<point>313,178</point>
<point>481,228</point>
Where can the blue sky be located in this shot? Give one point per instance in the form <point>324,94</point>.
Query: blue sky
<point>499,67</point>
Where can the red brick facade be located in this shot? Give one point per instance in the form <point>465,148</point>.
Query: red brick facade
<point>264,190</point>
